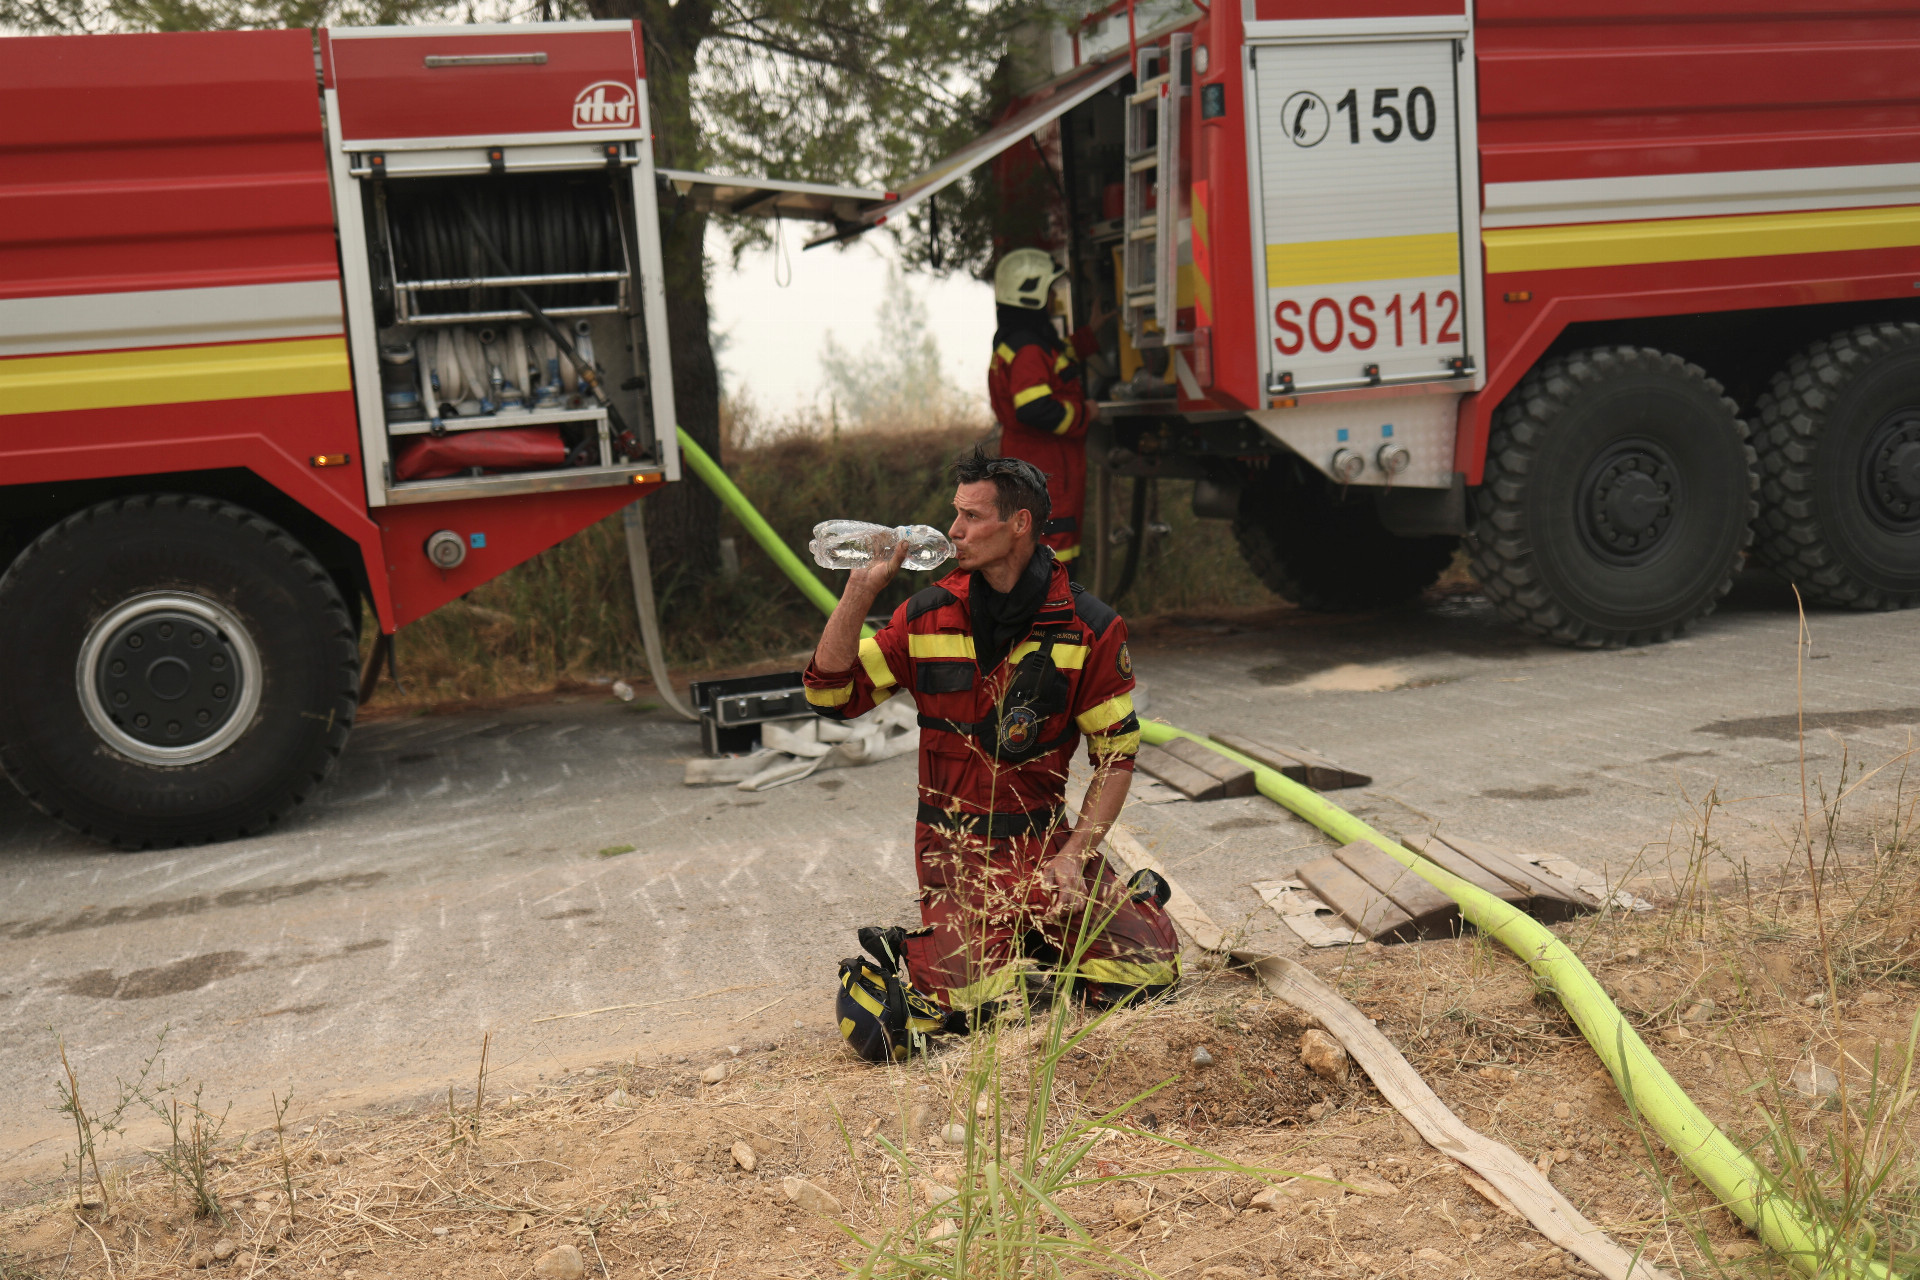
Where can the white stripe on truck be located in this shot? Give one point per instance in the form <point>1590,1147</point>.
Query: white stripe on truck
<point>1699,195</point>
<point>169,318</point>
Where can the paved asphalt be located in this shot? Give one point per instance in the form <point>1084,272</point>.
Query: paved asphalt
<point>451,880</point>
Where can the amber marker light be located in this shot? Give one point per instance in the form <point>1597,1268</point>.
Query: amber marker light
<point>329,459</point>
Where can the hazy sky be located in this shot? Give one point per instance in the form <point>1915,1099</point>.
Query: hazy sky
<point>774,335</point>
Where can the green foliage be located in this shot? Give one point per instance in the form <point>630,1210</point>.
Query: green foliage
<point>853,91</point>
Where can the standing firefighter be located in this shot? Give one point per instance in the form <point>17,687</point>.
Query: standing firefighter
<point>1035,386</point>
<point>1010,664</point>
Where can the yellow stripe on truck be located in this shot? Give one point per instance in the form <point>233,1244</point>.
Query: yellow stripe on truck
<point>173,375</point>
<point>1314,262</point>
<point>1757,235</point>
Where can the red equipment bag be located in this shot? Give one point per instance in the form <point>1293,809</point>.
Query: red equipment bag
<point>509,449</point>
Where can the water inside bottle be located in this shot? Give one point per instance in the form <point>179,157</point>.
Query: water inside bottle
<point>853,544</point>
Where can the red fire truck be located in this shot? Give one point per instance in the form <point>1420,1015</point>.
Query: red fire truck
<point>1616,290</point>
<point>288,322</point>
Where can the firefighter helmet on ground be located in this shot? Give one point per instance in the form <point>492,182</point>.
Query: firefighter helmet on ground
<point>1023,278</point>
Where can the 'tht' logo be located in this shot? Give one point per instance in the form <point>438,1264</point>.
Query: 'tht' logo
<point>605,104</point>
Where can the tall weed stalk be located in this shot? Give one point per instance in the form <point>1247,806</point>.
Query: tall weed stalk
<point>1024,1152</point>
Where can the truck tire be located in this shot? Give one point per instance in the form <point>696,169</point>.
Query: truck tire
<point>1325,550</point>
<point>1839,444</point>
<point>1617,501</point>
<point>179,670</point>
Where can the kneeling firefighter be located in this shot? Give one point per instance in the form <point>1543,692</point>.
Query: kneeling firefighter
<point>1010,664</point>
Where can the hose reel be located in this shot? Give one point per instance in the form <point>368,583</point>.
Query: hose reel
<point>559,238</point>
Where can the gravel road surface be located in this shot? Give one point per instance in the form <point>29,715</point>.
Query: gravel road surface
<point>472,873</point>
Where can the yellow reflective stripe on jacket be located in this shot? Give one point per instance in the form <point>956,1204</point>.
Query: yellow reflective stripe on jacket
<point>1118,744</point>
<point>876,664</point>
<point>1110,712</point>
<point>1065,422</point>
<point>1067,657</point>
<point>1023,398</point>
<point>830,697</point>
<point>1064,554</point>
<point>1005,352</point>
<point>939,646</point>
<point>1126,973</point>
<point>1061,362</point>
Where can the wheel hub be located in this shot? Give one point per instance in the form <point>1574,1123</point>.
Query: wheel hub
<point>1890,472</point>
<point>1631,494</point>
<point>169,678</point>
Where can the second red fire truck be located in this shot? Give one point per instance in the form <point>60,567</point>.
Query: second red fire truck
<point>1619,292</point>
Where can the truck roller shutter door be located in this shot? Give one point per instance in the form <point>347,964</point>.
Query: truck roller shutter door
<point>1359,214</point>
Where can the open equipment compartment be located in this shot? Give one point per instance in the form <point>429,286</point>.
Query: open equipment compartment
<point>500,254</point>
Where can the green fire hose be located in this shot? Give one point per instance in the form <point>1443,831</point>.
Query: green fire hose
<point>735,501</point>
<point>1709,1154</point>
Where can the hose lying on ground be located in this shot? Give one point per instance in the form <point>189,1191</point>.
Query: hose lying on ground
<point>1741,1186</point>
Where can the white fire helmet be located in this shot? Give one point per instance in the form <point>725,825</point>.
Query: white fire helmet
<point>1023,278</point>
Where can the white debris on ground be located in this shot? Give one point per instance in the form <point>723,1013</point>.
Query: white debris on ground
<point>794,749</point>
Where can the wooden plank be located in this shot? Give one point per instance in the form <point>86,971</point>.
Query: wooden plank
<point>1372,913</point>
<point>1237,778</point>
<point>1550,898</point>
<point>1437,852</point>
<point>1431,913</point>
<point>1551,1213</point>
<point>1296,763</point>
<point>1179,775</point>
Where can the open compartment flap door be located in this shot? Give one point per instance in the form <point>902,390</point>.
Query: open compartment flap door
<point>770,197</point>
<point>1048,105</point>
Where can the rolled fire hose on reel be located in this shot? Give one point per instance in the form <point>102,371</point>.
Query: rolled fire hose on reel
<point>1741,1186</point>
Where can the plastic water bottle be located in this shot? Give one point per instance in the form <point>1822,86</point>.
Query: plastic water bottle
<point>854,544</point>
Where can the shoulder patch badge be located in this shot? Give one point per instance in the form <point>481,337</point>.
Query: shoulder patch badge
<point>1124,661</point>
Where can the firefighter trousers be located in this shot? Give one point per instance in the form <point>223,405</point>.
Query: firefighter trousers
<point>984,911</point>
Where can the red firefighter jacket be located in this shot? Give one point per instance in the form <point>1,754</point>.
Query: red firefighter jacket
<point>927,650</point>
<point>1036,386</point>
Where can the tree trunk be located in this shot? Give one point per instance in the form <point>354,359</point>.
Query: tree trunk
<point>683,521</point>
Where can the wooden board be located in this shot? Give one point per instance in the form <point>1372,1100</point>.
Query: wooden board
<point>1194,771</point>
<point>1430,913</point>
<point>1437,852</point>
<point>1550,898</point>
<point>1363,906</point>
<point>1523,1185</point>
<point>1236,777</point>
<point>1296,763</point>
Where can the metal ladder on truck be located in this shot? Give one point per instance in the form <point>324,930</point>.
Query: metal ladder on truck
<point>1150,260</point>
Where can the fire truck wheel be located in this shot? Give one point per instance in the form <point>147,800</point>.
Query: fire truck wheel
<point>1839,444</point>
<point>188,671</point>
<point>1327,551</point>
<point>1617,501</point>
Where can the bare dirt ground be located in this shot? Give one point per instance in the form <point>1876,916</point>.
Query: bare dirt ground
<point>650,1167</point>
